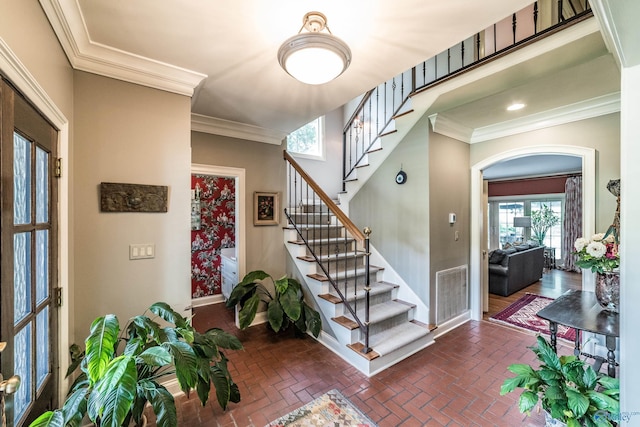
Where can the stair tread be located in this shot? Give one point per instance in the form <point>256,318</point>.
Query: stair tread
<point>350,274</point>
<point>376,289</point>
<point>330,241</point>
<point>333,257</point>
<point>382,311</point>
<point>393,338</point>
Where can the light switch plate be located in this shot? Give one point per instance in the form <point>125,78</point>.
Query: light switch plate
<point>142,251</point>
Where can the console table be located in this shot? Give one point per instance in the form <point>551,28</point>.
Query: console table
<point>580,310</point>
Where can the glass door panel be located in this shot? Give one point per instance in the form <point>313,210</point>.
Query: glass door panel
<point>28,322</point>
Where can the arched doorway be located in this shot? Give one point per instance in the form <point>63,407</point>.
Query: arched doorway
<point>588,157</point>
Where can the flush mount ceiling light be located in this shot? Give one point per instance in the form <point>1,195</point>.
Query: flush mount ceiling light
<point>314,57</point>
<point>515,106</point>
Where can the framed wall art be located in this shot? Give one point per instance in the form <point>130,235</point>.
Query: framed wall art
<point>266,208</point>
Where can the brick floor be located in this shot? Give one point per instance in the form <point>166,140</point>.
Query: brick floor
<point>454,382</point>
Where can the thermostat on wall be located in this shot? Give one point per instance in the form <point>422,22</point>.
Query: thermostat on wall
<point>452,218</point>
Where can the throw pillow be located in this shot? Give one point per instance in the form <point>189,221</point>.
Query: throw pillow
<point>496,257</point>
<point>506,245</point>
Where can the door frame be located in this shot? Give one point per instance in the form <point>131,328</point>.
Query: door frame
<point>240,226</point>
<point>588,156</point>
<point>16,72</point>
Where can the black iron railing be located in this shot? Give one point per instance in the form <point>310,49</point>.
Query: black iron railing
<point>374,115</point>
<point>334,243</point>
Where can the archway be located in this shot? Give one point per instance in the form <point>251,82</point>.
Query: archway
<point>588,156</point>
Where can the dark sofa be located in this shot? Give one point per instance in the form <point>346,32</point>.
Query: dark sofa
<point>515,268</point>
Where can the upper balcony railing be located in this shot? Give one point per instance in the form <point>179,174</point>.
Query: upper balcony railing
<point>373,116</point>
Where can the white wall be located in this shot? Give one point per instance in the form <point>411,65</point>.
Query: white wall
<point>630,245</point>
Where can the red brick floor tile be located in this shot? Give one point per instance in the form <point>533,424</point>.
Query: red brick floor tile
<point>454,382</point>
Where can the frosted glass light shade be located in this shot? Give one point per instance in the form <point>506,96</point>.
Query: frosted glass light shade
<point>314,58</point>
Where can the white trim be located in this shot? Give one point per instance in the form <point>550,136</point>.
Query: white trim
<point>588,156</point>
<point>594,107</point>
<point>208,300</point>
<point>19,75</point>
<point>215,126</point>
<point>241,225</point>
<point>68,23</point>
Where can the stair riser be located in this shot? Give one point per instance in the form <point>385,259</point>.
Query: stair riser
<point>336,267</point>
<point>377,327</point>
<point>351,281</point>
<point>341,309</point>
<point>332,248</point>
<point>321,233</point>
<point>301,218</point>
<point>313,208</point>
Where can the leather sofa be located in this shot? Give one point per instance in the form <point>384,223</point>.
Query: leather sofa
<point>514,268</point>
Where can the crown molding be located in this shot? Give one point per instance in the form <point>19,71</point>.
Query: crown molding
<point>445,125</point>
<point>68,23</point>
<point>215,126</point>
<point>590,108</point>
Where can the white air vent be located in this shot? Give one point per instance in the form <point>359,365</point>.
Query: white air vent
<point>452,293</point>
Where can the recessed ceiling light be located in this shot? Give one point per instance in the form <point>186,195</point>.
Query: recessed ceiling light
<point>515,106</point>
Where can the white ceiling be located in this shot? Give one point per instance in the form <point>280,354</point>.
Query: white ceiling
<point>224,55</point>
<point>530,166</point>
<point>231,46</point>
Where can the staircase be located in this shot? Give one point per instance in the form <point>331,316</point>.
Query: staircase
<point>364,321</point>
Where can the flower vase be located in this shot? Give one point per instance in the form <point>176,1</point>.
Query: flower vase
<point>608,290</point>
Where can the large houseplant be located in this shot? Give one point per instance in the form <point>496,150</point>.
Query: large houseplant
<point>541,221</point>
<point>284,308</point>
<point>568,388</point>
<point>121,372</point>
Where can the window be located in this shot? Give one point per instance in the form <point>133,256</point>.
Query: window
<point>308,141</point>
<point>503,210</point>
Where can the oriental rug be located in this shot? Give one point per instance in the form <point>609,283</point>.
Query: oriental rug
<point>522,314</point>
<point>331,409</point>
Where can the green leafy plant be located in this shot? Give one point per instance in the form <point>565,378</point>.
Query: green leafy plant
<point>286,307</point>
<point>119,374</point>
<point>541,221</point>
<point>568,388</point>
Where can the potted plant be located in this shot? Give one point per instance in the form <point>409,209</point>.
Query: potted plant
<point>121,371</point>
<point>568,388</point>
<point>600,255</point>
<point>541,221</point>
<point>287,307</point>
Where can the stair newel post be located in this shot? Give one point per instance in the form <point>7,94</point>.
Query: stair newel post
<point>367,288</point>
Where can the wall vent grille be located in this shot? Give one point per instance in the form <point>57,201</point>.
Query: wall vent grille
<point>452,293</point>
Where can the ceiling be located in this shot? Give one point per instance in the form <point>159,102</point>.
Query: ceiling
<point>227,50</point>
<point>531,166</point>
<point>224,55</point>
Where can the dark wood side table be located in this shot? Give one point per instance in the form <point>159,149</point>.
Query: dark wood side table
<point>580,310</point>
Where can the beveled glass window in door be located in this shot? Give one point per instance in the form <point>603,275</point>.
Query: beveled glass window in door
<point>30,272</point>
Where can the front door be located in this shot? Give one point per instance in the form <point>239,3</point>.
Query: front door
<point>28,256</point>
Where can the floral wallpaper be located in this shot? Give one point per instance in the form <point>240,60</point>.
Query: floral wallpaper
<point>215,231</point>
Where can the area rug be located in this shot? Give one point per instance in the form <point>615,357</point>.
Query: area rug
<point>522,314</point>
<point>331,409</point>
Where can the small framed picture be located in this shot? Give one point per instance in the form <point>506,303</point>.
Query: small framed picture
<point>266,208</point>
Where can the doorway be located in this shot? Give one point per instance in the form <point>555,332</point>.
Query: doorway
<point>29,261</point>
<point>204,290</point>
<point>479,294</point>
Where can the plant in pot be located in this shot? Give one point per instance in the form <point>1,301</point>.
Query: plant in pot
<point>541,221</point>
<point>120,372</point>
<point>568,388</point>
<point>287,307</point>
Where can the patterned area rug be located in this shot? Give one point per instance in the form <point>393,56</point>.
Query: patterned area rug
<point>522,314</point>
<point>331,409</point>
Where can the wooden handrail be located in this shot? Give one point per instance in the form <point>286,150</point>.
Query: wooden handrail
<point>342,217</point>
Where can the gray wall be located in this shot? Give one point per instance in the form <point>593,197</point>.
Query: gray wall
<point>399,214</point>
<point>601,133</point>
<point>131,134</point>
<point>265,171</point>
<point>449,192</point>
